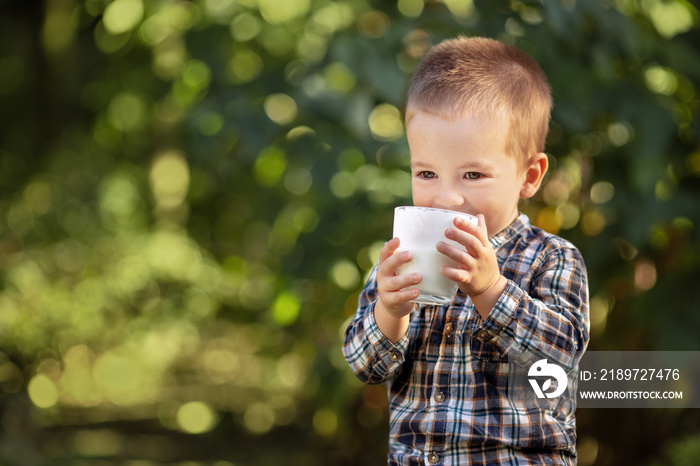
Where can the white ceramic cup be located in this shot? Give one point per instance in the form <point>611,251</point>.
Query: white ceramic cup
<point>420,229</point>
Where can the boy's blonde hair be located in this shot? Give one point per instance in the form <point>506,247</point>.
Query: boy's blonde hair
<point>479,77</point>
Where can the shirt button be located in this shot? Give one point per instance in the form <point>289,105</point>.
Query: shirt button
<point>394,356</point>
<point>439,397</point>
<point>483,335</point>
<point>449,328</point>
<point>433,457</point>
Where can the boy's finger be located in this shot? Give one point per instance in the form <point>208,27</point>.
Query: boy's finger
<point>407,295</point>
<point>476,229</point>
<point>456,275</point>
<point>483,234</point>
<point>388,249</point>
<point>391,264</point>
<point>460,256</point>
<point>399,282</point>
<point>401,297</point>
<point>466,238</point>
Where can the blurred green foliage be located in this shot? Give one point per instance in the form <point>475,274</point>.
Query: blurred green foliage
<point>192,192</point>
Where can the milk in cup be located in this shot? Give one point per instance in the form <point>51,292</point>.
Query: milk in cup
<point>420,229</point>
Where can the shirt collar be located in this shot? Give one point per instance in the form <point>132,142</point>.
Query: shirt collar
<point>516,228</point>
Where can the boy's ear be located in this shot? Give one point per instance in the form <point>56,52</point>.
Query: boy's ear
<point>534,174</point>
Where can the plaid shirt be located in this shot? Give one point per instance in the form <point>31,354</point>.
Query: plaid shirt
<point>448,376</point>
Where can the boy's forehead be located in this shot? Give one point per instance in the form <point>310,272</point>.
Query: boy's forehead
<point>488,119</point>
<point>467,141</point>
<point>420,121</point>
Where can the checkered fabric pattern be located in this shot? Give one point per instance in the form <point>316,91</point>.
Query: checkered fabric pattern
<point>448,377</point>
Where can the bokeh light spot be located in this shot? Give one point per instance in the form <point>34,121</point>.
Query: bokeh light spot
<point>280,108</point>
<point>531,15</point>
<point>11,380</point>
<point>602,192</point>
<point>693,162</point>
<point>339,78</point>
<point>373,24</point>
<point>59,26</point>
<point>660,80</point>
<point>670,18</point>
<point>196,417</point>
<point>662,190</point>
<point>119,197</point>
<point>345,274</point>
<point>244,66</point>
<point>325,422</point>
<point>127,111</point>
<point>332,17</point>
<point>285,308</point>
<point>644,275</point>
<point>42,391</point>
<point>549,220</point>
<point>292,370</point>
<point>169,61</point>
<point>276,12</point>
<point>416,43</point>
<point>600,307</point>
<point>270,165</point>
<point>619,134</point>
<point>210,124</point>
<point>38,197</point>
<point>169,179</point>
<point>587,450</point>
<point>569,215</point>
<point>342,185</point>
<point>592,222</point>
<point>155,30</point>
<point>460,9</point>
<point>411,8</point>
<point>385,122</point>
<point>305,219</point>
<point>259,418</point>
<point>312,47</point>
<point>109,42</point>
<point>121,16</point>
<point>298,181</point>
<point>351,159</point>
<point>196,75</point>
<point>220,9</point>
<point>118,376</point>
<point>245,27</point>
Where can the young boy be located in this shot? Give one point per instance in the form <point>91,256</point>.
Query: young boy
<point>476,120</point>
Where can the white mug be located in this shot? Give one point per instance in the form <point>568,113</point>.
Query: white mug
<point>420,229</point>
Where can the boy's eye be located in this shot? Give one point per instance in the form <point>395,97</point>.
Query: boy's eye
<point>426,175</point>
<point>472,175</point>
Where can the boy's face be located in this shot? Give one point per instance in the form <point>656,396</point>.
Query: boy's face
<point>462,165</point>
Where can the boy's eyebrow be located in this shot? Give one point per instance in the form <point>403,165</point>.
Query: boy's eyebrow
<point>419,164</point>
<point>475,165</point>
<point>478,165</point>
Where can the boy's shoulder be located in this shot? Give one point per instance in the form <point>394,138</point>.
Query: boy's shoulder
<point>528,239</point>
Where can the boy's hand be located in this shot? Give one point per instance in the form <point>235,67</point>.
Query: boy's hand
<point>478,271</point>
<point>393,298</point>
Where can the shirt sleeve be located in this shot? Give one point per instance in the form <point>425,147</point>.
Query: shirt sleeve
<point>549,319</point>
<point>371,356</point>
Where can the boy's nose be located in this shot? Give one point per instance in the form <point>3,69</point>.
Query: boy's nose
<point>448,197</point>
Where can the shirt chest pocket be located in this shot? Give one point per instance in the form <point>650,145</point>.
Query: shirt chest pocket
<point>485,351</point>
